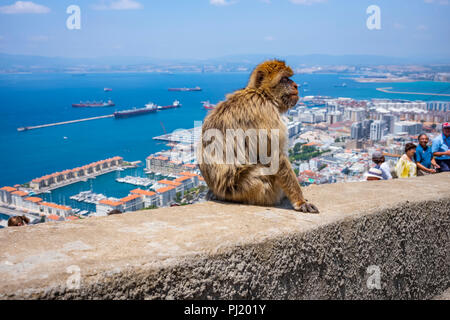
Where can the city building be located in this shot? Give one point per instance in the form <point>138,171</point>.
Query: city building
<point>5,194</point>
<point>150,198</point>
<point>376,130</point>
<point>167,194</point>
<point>438,106</point>
<point>70,176</point>
<point>357,131</point>
<point>17,198</point>
<point>106,206</point>
<point>132,202</point>
<point>409,127</point>
<point>49,208</point>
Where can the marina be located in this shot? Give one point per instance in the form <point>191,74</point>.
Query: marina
<point>137,181</point>
<point>88,197</point>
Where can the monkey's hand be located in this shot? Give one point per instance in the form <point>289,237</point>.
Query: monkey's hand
<point>306,207</point>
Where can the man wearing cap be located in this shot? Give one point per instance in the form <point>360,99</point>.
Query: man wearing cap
<point>374,174</point>
<point>424,157</point>
<point>380,164</point>
<point>441,148</point>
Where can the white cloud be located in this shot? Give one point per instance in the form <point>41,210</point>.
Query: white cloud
<point>221,2</point>
<point>307,2</point>
<point>24,7</point>
<point>118,5</point>
<point>269,38</point>
<point>441,2</point>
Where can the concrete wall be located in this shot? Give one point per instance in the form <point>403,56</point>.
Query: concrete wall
<point>224,251</point>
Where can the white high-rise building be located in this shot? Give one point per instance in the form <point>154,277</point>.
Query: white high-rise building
<point>376,130</point>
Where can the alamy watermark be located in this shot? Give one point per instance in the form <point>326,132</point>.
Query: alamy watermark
<point>234,147</point>
<point>73,22</point>
<point>374,20</point>
<point>74,281</point>
<point>374,280</point>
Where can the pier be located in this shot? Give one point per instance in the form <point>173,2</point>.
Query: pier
<point>63,123</point>
<point>387,90</point>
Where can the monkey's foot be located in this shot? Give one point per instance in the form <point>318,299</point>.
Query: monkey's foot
<point>305,207</point>
<point>210,196</point>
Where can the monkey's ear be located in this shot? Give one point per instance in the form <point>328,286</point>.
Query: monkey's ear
<point>256,79</point>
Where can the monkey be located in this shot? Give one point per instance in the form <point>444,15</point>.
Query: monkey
<point>269,93</point>
<point>18,221</point>
<point>113,212</point>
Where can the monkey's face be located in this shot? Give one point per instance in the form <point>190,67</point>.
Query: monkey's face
<point>286,91</point>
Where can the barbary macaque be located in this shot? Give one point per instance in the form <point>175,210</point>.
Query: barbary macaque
<point>253,114</point>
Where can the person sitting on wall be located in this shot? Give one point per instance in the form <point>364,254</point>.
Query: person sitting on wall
<point>18,221</point>
<point>374,174</point>
<point>441,148</point>
<point>406,166</point>
<point>425,161</point>
<point>381,164</point>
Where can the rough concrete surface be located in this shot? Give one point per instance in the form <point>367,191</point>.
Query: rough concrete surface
<point>215,250</point>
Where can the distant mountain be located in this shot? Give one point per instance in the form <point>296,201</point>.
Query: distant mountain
<point>35,63</point>
<point>325,59</point>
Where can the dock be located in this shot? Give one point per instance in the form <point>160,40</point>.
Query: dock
<point>63,123</point>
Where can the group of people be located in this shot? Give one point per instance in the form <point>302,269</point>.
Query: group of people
<point>418,160</point>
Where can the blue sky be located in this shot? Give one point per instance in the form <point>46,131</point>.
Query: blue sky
<point>177,29</point>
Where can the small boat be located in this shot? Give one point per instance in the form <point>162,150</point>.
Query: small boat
<point>175,104</point>
<point>94,104</point>
<point>208,106</point>
<point>107,89</point>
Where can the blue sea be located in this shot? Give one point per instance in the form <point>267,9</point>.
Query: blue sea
<point>33,99</point>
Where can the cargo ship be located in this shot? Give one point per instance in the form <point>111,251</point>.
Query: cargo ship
<point>94,104</point>
<point>186,89</point>
<point>175,104</point>
<point>208,106</point>
<point>149,108</point>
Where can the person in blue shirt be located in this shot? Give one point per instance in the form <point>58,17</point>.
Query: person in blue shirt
<point>425,161</point>
<point>441,148</point>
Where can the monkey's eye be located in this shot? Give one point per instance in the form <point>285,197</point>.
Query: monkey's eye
<point>284,80</point>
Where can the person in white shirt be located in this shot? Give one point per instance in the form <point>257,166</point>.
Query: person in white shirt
<point>380,163</point>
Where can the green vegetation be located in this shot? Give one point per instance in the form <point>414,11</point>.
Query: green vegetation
<point>300,152</point>
<point>149,208</point>
<point>322,166</point>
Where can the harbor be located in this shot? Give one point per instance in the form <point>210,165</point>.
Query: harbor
<point>137,181</point>
<point>21,129</point>
<point>149,108</point>
<point>88,197</point>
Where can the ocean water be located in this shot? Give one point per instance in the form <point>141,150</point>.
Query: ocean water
<point>33,99</point>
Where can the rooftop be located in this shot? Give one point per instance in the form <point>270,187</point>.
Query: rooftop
<point>143,192</point>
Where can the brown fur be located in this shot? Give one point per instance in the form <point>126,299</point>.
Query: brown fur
<point>18,221</point>
<point>269,93</point>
